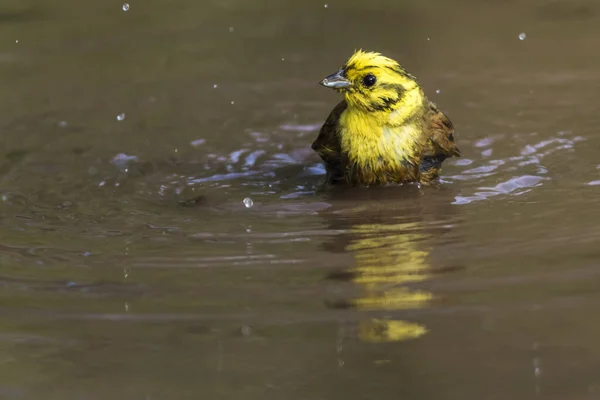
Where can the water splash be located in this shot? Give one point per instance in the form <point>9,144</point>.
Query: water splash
<point>122,160</point>
<point>198,142</point>
<point>529,162</point>
<point>510,186</point>
<point>301,127</point>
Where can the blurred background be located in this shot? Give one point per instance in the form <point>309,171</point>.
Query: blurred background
<point>164,233</point>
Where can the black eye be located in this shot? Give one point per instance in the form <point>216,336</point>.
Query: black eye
<point>369,80</point>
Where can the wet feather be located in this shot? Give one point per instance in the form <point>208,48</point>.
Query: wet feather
<point>385,130</point>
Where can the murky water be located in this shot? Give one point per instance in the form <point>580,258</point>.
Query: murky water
<point>132,268</point>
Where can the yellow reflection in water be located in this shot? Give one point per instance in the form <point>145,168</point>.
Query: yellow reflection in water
<point>387,257</point>
<point>386,330</point>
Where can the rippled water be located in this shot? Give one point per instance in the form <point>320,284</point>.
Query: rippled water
<point>165,234</point>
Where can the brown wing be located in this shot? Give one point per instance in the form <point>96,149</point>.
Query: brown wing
<point>328,146</point>
<point>441,133</point>
<point>440,142</point>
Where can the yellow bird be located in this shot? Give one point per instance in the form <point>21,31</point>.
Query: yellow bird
<point>385,130</point>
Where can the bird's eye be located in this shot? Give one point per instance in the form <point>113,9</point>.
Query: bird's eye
<point>369,80</point>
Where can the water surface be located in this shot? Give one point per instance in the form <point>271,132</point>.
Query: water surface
<point>132,268</point>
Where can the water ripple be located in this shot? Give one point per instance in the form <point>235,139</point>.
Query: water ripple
<point>510,186</point>
<point>529,162</point>
<point>266,161</point>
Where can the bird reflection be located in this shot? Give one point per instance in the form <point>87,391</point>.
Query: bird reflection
<point>391,235</point>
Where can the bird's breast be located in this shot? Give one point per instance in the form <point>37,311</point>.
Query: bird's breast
<point>381,154</point>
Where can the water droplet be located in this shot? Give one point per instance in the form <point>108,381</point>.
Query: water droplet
<point>232,102</point>
<point>248,202</point>
<point>121,117</point>
<point>522,36</point>
<point>231,29</point>
<point>17,41</point>
<point>198,142</point>
<point>4,197</point>
<point>246,330</point>
<point>428,39</point>
<point>63,124</point>
<point>215,86</point>
<point>438,91</point>
<point>282,59</point>
<point>125,6</point>
<point>325,5</point>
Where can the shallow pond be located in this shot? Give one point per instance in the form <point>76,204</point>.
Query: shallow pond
<point>164,234</point>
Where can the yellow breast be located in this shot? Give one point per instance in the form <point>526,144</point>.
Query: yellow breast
<point>376,151</point>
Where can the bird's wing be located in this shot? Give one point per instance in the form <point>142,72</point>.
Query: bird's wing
<point>439,144</point>
<point>328,145</point>
<point>441,134</point>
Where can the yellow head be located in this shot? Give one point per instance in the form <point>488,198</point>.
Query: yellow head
<point>375,83</point>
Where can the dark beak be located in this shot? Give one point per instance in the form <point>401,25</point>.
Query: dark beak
<point>336,81</point>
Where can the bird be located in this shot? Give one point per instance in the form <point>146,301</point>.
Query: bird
<point>385,130</point>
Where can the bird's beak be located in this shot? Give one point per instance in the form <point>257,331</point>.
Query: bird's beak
<point>336,81</point>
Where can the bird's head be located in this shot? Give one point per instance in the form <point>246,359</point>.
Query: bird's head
<point>373,82</point>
